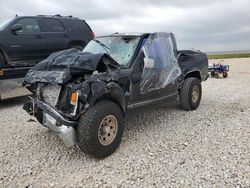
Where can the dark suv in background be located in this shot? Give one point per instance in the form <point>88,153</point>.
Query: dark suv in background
<point>26,40</point>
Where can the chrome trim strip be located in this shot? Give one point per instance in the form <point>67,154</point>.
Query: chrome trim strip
<point>130,106</point>
<point>66,133</point>
<point>149,101</point>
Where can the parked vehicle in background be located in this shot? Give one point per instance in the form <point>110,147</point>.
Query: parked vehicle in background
<point>219,69</point>
<point>84,96</point>
<point>26,40</point>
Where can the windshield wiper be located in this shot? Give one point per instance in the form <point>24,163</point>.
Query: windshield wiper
<point>106,48</point>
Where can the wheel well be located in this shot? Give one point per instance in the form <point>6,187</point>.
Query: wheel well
<point>195,74</point>
<point>112,99</point>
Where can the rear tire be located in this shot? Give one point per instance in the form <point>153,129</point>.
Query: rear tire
<point>212,74</point>
<point>225,74</point>
<point>190,94</point>
<point>100,129</point>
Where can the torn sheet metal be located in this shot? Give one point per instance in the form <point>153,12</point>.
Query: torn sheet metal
<point>98,85</point>
<point>60,67</point>
<point>160,64</point>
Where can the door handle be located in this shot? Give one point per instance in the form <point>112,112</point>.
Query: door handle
<point>38,37</point>
<point>65,35</point>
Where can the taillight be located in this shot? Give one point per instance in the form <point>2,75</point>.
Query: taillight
<point>92,35</point>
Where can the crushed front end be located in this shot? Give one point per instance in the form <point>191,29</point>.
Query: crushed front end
<point>66,84</point>
<point>54,109</point>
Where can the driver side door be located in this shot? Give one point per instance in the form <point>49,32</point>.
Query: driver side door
<point>140,99</point>
<point>155,71</point>
<point>28,43</point>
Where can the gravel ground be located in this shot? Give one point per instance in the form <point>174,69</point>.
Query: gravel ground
<point>208,147</point>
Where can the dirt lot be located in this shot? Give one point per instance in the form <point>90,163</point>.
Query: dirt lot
<point>209,147</point>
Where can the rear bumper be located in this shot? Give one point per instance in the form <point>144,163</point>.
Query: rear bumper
<point>52,119</point>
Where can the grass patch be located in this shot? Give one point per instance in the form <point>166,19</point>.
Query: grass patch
<point>228,56</point>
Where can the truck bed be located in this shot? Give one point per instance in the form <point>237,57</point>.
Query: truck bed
<point>193,60</point>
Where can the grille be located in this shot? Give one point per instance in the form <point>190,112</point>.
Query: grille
<point>51,94</point>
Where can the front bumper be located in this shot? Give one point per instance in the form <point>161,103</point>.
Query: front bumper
<point>52,119</point>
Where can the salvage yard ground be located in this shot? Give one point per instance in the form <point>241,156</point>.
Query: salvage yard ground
<point>166,146</point>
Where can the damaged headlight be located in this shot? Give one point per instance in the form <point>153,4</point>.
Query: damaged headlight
<point>50,94</point>
<point>74,103</point>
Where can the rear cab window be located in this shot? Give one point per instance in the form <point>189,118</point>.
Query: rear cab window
<point>52,25</point>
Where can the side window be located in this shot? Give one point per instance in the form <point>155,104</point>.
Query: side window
<point>75,25</point>
<point>52,25</point>
<point>30,25</point>
<point>160,64</point>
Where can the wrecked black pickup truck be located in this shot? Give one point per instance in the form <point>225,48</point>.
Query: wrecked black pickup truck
<point>84,95</point>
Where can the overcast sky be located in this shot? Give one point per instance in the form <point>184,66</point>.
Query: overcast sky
<point>208,25</point>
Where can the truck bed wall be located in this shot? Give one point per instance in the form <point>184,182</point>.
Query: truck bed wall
<point>193,60</point>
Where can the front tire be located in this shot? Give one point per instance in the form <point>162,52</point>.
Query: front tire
<point>190,93</point>
<point>100,129</point>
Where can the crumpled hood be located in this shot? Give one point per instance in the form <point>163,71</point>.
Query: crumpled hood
<point>62,66</point>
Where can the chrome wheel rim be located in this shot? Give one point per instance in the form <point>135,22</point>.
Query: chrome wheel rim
<point>108,130</point>
<point>195,94</point>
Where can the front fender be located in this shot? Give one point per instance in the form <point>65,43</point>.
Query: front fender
<point>100,90</point>
<point>118,95</point>
<point>115,93</point>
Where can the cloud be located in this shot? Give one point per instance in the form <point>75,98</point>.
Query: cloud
<point>207,25</point>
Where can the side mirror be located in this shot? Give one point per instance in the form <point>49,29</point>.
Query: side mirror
<point>149,62</point>
<point>17,27</point>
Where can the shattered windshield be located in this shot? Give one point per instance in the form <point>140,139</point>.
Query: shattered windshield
<point>121,49</point>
